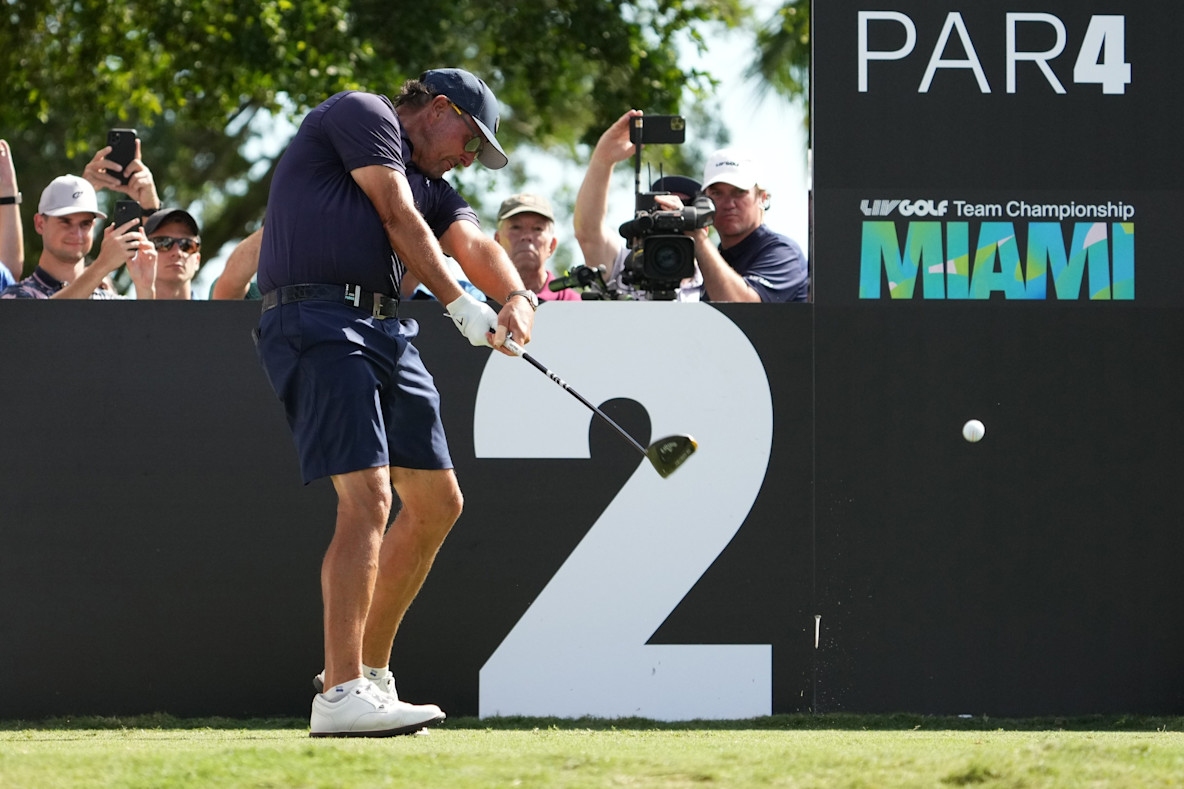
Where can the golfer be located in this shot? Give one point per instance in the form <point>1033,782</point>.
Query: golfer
<point>357,200</point>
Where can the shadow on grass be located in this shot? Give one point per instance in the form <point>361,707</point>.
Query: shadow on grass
<point>794,722</point>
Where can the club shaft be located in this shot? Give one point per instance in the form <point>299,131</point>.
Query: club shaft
<point>543,368</point>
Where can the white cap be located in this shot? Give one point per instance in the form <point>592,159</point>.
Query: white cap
<point>69,194</point>
<point>730,166</point>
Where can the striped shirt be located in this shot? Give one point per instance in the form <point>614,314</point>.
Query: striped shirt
<point>41,285</point>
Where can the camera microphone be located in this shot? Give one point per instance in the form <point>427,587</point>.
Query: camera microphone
<point>639,226</point>
<point>577,277</point>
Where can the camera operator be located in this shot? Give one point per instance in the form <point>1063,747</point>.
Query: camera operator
<point>601,244</point>
<point>751,263</point>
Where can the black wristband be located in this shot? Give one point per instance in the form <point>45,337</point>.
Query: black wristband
<point>14,200</point>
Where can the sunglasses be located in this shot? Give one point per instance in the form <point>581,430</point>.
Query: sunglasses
<point>477,143</point>
<point>165,243</point>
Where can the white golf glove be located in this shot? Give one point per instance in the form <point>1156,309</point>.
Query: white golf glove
<point>473,318</point>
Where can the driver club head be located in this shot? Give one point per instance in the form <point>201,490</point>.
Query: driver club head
<point>667,454</point>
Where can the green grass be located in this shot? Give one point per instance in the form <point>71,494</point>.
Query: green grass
<point>781,751</point>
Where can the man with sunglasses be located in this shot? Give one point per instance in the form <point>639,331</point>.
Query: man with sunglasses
<point>174,234</point>
<point>357,201</point>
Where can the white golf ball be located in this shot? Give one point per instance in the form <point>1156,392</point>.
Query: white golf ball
<point>973,431</point>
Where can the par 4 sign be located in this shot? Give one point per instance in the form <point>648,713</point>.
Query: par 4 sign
<point>1101,54</point>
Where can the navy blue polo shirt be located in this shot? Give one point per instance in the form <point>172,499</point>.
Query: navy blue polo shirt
<point>321,226</point>
<point>772,264</point>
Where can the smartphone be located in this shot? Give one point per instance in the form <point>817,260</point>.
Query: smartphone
<point>660,129</point>
<point>125,211</point>
<point>123,149</point>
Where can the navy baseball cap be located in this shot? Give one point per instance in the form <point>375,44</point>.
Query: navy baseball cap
<point>474,97</point>
<point>678,184</point>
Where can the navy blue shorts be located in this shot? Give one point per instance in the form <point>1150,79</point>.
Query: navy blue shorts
<point>354,388</point>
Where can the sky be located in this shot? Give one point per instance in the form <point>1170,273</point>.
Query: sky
<point>768,126</point>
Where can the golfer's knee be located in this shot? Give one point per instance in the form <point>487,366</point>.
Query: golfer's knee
<point>371,506</point>
<point>453,507</point>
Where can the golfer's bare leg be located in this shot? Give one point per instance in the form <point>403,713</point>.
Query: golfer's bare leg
<point>431,504</point>
<point>350,567</point>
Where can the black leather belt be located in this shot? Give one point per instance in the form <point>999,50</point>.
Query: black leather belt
<point>376,304</point>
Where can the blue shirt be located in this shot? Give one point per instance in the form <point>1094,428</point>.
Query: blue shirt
<point>321,226</point>
<point>5,277</point>
<point>772,264</point>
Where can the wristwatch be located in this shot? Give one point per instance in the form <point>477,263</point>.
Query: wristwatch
<point>14,200</point>
<point>529,295</point>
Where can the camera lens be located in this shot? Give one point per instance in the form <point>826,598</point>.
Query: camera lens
<point>667,261</point>
<point>669,258</point>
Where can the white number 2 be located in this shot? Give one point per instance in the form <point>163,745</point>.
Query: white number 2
<point>580,648</point>
<point>1102,58</point>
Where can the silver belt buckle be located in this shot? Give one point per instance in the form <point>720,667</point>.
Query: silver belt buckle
<point>379,301</point>
<point>354,293</point>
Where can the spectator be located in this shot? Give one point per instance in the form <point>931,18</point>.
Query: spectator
<point>602,244</point>
<point>751,263</point>
<point>12,235</point>
<point>357,200</point>
<point>526,230</point>
<point>237,280</point>
<point>65,220</point>
<point>174,233</point>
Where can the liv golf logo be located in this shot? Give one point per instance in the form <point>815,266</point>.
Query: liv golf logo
<point>1011,250</point>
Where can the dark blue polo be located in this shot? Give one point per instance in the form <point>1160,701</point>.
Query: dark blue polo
<point>772,264</point>
<point>321,226</point>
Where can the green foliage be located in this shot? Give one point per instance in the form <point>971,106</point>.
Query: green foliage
<point>783,61</point>
<point>196,79</point>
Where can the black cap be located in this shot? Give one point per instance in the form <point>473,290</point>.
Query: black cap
<point>678,184</point>
<point>473,96</point>
<point>170,215</point>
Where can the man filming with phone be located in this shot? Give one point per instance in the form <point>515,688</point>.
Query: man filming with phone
<point>601,244</point>
<point>751,263</point>
<point>65,220</point>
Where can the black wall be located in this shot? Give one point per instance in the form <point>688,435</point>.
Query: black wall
<point>158,548</point>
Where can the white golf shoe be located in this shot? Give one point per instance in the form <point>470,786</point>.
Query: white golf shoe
<point>359,709</point>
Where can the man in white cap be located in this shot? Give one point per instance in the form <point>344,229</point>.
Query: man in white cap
<point>526,230</point>
<point>751,263</point>
<point>65,220</point>
<point>358,200</point>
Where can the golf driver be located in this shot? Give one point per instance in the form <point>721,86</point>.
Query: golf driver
<point>665,454</point>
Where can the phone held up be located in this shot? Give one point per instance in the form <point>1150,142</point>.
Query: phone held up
<point>123,150</point>
<point>125,211</point>
<point>658,129</point>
